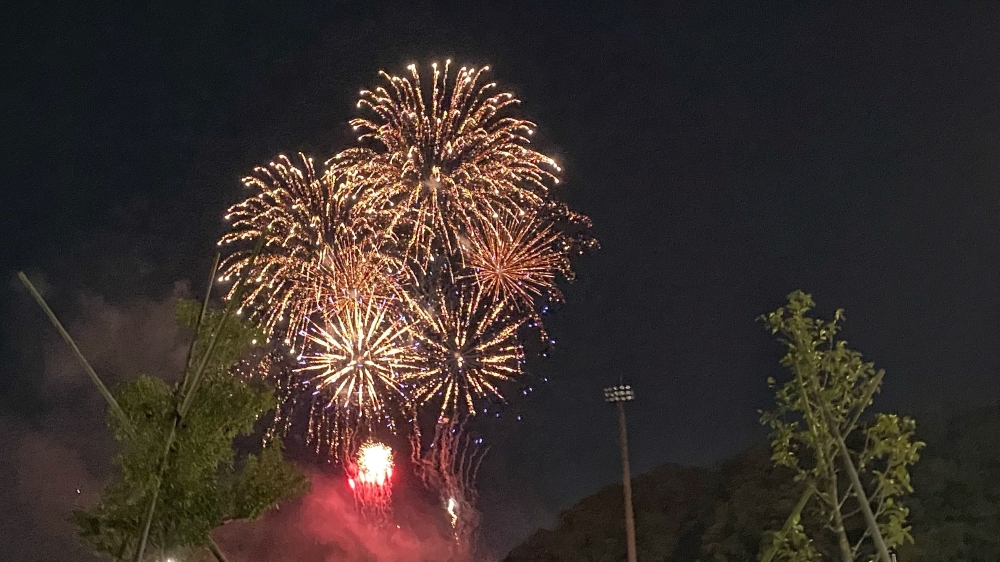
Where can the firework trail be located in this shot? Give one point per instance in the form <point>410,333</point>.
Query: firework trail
<point>449,465</point>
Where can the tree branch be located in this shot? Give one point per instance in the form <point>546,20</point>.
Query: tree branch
<point>214,548</point>
<point>197,326</point>
<point>126,424</point>
<point>188,397</point>
<point>859,490</point>
<point>792,518</point>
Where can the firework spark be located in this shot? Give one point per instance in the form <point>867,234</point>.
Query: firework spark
<point>449,466</point>
<point>469,349</point>
<point>299,214</point>
<point>374,465</point>
<point>360,357</point>
<point>515,262</point>
<point>354,272</point>
<point>437,160</point>
<point>408,266</point>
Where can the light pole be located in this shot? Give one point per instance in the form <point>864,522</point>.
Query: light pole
<point>619,395</point>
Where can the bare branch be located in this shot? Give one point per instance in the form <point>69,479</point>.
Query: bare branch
<point>126,424</point>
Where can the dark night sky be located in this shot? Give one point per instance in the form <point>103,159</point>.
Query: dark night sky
<point>726,156</point>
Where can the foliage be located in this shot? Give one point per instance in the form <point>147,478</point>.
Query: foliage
<point>956,509</point>
<point>754,496</point>
<point>817,417</point>
<point>205,483</point>
<point>682,514</point>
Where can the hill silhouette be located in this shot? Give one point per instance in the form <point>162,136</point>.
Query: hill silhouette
<point>720,514</point>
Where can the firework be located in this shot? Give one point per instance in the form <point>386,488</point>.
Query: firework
<point>371,480</point>
<point>515,262</point>
<point>405,269</point>
<point>360,357</point>
<point>469,349</point>
<point>302,217</point>
<point>354,272</point>
<point>434,161</point>
<point>449,465</point>
<point>573,228</point>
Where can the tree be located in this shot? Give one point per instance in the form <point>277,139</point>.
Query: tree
<point>956,509</point>
<point>851,467</point>
<point>180,476</point>
<point>204,485</point>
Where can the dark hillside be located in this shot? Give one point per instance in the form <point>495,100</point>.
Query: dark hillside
<point>688,514</point>
<point>682,514</point>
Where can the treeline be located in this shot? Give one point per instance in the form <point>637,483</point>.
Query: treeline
<point>688,514</point>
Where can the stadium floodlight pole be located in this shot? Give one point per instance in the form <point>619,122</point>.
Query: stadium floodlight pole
<point>619,395</point>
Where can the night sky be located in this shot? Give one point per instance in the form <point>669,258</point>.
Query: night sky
<point>726,156</point>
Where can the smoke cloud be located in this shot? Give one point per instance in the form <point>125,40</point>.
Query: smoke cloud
<point>324,526</point>
<point>58,459</point>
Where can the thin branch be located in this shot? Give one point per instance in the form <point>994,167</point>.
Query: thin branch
<point>792,518</point>
<point>861,541</point>
<point>869,394</point>
<point>79,354</point>
<point>853,513</point>
<point>219,556</point>
<point>846,495</point>
<point>226,313</point>
<point>880,546</point>
<point>188,398</point>
<point>198,323</point>
<point>842,541</point>
<point>156,493</point>
<point>880,509</point>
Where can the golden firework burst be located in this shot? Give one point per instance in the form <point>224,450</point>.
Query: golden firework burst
<point>432,162</point>
<point>515,261</point>
<point>302,217</point>
<point>360,356</point>
<point>406,267</point>
<point>469,349</point>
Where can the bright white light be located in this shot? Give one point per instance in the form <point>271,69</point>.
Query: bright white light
<point>374,464</point>
<point>453,511</point>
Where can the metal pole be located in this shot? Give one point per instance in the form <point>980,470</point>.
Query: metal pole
<point>627,485</point>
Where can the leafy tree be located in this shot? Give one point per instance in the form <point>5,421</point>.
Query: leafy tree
<point>204,484</point>
<point>954,509</point>
<point>754,495</point>
<point>180,476</point>
<point>850,467</point>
